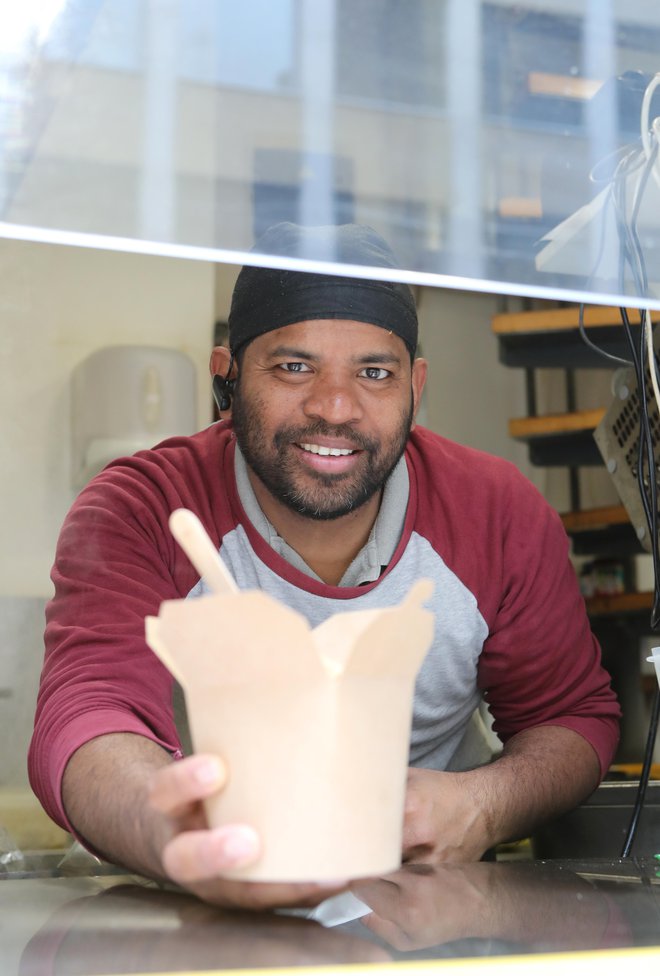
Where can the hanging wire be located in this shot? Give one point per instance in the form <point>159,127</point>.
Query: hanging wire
<point>592,345</point>
<point>628,161</point>
<point>644,776</point>
<point>643,358</point>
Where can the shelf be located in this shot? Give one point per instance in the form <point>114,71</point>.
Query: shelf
<point>550,338</point>
<point>595,518</point>
<point>560,440</point>
<point>558,319</point>
<point>602,532</point>
<point>621,603</point>
<point>634,770</point>
<point>527,428</point>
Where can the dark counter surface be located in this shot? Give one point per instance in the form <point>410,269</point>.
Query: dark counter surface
<point>73,918</point>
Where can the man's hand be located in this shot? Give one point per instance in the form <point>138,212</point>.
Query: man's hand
<point>443,820</point>
<point>138,808</point>
<point>456,817</point>
<point>196,857</point>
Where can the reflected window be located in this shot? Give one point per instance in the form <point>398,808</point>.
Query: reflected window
<point>219,43</point>
<point>391,52</point>
<point>93,32</point>
<point>246,46</point>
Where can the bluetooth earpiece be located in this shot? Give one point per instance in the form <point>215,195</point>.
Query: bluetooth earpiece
<point>222,392</point>
<point>223,388</point>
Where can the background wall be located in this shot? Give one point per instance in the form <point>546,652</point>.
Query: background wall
<point>57,305</point>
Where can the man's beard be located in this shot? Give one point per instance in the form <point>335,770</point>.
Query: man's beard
<point>318,496</point>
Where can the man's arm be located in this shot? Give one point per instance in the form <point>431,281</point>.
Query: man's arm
<point>542,773</point>
<point>137,808</point>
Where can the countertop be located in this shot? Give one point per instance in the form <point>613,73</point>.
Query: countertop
<point>80,917</point>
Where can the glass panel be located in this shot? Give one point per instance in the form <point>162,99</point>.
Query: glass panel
<point>498,146</point>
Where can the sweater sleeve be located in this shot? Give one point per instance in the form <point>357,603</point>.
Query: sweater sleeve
<point>540,664</point>
<point>115,563</point>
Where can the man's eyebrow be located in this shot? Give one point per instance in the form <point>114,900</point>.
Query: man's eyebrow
<point>291,352</point>
<point>385,358</point>
<point>371,358</point>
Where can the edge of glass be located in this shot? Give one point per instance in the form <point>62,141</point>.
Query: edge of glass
<point>190,252</point>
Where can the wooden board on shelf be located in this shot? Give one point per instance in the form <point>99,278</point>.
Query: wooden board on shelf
<point>525,428</point>
<point>602,533</point>
<point>634,770</point>
<point>594,518</point>
<point>620,603</point>
<point>561,319</point>
<point>550,338</point>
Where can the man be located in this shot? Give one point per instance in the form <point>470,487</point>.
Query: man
<point>317,487</point>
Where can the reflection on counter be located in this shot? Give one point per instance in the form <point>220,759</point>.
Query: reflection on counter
<point>128,928</point>
<point>126,925</point>
<point>493,908</point>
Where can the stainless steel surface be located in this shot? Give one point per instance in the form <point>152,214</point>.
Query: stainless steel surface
<point>599,826</point>
<point>479,136</point>
<point>125,925</point>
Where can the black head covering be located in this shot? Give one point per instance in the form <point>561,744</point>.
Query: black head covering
<point>265,299</point>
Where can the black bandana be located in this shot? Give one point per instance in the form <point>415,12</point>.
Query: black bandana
<point>265,299</point>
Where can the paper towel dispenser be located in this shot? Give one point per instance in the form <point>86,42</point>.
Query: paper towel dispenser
<point>125,399</point>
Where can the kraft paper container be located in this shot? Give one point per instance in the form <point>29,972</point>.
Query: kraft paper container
<point>313,724</point>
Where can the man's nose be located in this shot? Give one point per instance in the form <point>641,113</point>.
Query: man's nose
<point>335,401</point>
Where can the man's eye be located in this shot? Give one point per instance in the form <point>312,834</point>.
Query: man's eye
<point>294,367</point>
<point>375,373</point>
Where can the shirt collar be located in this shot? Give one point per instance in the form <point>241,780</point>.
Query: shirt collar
<point>379,548</point>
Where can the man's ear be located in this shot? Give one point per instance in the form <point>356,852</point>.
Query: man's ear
<point>223,372</point>
<point>419,371</point>
<point>220,360</point>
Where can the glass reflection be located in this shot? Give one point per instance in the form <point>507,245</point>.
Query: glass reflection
<point>471,134</point>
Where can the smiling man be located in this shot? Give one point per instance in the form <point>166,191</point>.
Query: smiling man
<point>318,488</point>
<point>322,412</point>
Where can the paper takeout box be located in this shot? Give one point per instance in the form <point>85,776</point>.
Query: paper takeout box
<point>314,724</point>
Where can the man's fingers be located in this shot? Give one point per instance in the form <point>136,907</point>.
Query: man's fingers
<point>389,931</point>
<point>175,787</point>
<point>266,896</point>
<point>198,859</point>
<point>382,895</point>
<point>199,855</point>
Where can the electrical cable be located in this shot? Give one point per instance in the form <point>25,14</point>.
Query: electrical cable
<point>618,155</point>
<point>630,161</point>
<point>650,352</point>
<point>630,254</point>
<point>637,201</point>
<point>647,337</point>
<point>644,359</point>
<point>646,128</point>
<point>645,453</point>
<point>644,776</point>
<point>651,511</point>
<point>592,345</point>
